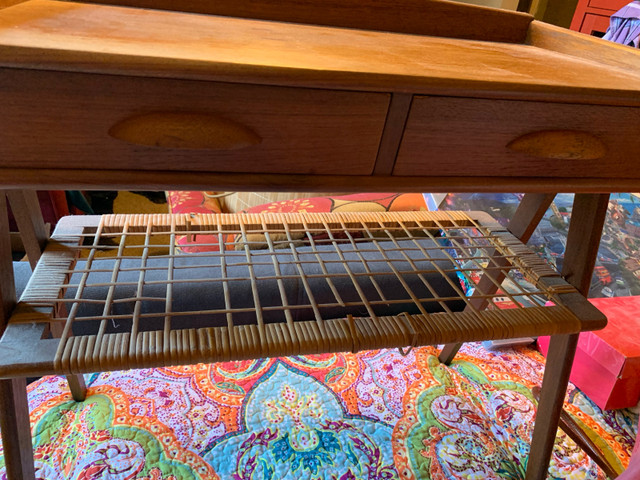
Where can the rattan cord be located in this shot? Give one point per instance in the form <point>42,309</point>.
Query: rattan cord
<point>379,234</point>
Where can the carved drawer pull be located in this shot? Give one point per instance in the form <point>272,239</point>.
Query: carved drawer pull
<point>560,144</point>
<point>184,130</point>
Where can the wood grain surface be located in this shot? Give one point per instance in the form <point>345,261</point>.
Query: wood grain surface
<point>424,17</point>
<point>64,119</point>
<point>456,136</point>
<point>560,145</point>
<point>79,37</point>
<point>587,47</point>
<point>184,130</point>
<point>132,179</point>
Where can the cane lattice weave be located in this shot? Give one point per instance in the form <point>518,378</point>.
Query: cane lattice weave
<point>115,293</point>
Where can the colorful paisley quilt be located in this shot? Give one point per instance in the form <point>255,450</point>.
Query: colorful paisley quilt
<point>371,415</point>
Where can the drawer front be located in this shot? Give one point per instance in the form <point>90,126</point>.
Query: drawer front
<point>70,120</point>
<point>477,137</point>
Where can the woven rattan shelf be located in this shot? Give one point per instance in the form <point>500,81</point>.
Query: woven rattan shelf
<point>116,292</point>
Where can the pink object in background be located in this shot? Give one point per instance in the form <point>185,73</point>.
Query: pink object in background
<point>607,363</point>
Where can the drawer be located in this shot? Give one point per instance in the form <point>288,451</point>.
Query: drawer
<point>72,120</point>
<point>477,137</point>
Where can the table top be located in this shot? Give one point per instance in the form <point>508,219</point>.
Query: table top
<point>68,36</point>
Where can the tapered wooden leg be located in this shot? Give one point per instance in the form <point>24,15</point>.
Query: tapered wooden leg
<point>448,352</point>
<point>583,241</point>
<point>524,222</point>
<point>585,230</point>
<point>7,282</point>
<point>562,349</point>
<point>578,435</point>
<point>16,429</point>
<point>14,409</point>
<point>26,211</point>
<point>76,382</point>
<point>78,387</point>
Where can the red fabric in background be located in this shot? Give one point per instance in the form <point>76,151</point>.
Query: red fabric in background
<point>607,363</point>
<point>198,202</point>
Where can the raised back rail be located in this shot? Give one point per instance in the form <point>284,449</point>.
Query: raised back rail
<point>424,17</point>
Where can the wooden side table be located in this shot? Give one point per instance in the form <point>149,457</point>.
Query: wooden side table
<point>415,95</point>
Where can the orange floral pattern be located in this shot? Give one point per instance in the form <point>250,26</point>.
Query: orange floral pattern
<point>200,202</point>
<point>406,416</point>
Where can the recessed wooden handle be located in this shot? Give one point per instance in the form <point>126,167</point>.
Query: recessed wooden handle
<point>184,130</point>
<point>560,144</point>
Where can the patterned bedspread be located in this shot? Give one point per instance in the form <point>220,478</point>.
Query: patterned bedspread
<point>372,415</point>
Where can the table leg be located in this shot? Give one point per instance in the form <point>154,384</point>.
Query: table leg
<point>76,382</point>
<point>585,230</point>
<point>78,387</point>
<point>7,281</point>
<point>16,429</point>
<point>26,210</point>
<point>524,222</point>
<point>583,241</point>
<point>554,386</point>
<point>14,409</point>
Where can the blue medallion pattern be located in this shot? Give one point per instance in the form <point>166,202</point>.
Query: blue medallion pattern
<point>294,427</point>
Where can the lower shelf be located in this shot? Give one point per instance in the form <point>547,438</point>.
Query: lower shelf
<point>115,293</point>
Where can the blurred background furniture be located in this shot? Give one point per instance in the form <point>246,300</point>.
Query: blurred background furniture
<point>592,16</point>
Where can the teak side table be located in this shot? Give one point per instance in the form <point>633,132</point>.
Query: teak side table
<point>348,95</point>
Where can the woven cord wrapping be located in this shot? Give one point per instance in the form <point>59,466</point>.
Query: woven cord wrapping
<point>306,248</point>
